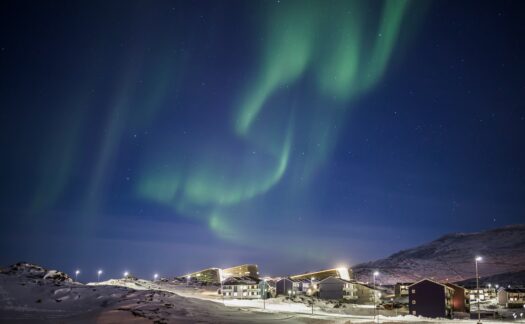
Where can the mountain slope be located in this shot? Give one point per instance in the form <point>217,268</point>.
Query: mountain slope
<point>451,257</point>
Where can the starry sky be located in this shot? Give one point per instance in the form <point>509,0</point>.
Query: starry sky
<point>169,136</point>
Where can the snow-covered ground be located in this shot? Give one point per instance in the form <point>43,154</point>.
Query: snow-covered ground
<point>27,295</point>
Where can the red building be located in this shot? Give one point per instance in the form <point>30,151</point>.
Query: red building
<point>460,298</point>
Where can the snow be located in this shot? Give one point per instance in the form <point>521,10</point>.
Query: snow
<point>26,297</point>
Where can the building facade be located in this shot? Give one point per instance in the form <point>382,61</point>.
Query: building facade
<point>460,298</point>
<point>511,297</point>
<point>244,288</point>
<point>366,294</point>
<point>210,275</point>
<point>244,270</point>
<point>215,275</point>
<point>287,287</point>
<point>336,288</point>
<point>343,273</point>
<point>430,299</point>
<point>481,293</point>
<point>401,289</point>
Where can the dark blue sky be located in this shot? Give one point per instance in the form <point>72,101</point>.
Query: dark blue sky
<point>170,136</point>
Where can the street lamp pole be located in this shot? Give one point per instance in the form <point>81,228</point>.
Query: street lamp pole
<point>222,292</point>
<point>264,293</point>
<point>312,290</point>
<point>478,259</point>
<point>374,292</point>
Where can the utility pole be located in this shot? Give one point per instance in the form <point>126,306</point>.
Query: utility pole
<point>478,259</point>
<point>375,274</point>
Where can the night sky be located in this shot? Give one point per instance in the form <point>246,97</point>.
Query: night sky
<point>158,136</point>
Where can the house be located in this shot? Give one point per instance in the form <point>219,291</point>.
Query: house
<point>244,288</point>
<point>511,297</point>
<point>430,299</point>
<point>481,293</point>
<point>288,286</point>
<point>366,294</point>
<point>401,289</point>
<point>336,288</point>
<point>460,298</point>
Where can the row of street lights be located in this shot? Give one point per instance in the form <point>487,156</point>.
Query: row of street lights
<point>100,272</point>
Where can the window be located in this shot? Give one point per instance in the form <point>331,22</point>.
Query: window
<point>413,301</point>
<point>413,312</point>
<point>413,291</point>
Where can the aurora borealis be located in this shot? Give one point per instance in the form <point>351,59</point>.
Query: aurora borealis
<point>189,134</point>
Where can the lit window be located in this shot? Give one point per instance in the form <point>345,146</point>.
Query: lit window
<point>413,302</point>
<point>413,291</point>
<point>413,312</point>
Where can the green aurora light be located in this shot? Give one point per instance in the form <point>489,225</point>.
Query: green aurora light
<point>336,46</point>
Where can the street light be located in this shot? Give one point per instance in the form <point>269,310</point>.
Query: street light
<point>155,276</point>
<point>99,272</point>
<point>77,272</point>
<point>126,274</point>
<point>375,274</point>
<point>478,259</point>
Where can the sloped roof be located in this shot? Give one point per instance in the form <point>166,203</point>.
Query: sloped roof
<point>432,281</point>
<point>453,285</point>
<point>335,278</point>
<point>241,281</point>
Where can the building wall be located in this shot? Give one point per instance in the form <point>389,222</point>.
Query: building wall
<point>428,299</point>
<point>282,286</point>
<point>207,275</point>
<point>252,291</point>
<point>365,295</point>
<point>331,288</point>
<point>460,299</point>
<point>320,275</point>
<point>401,290</point>
<point>511,298</point>
<point>244,270</point>
<point>502,297</point>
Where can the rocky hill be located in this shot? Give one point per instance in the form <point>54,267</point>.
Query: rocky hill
<point>451,257</point>
<point>513,279</point>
